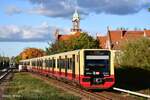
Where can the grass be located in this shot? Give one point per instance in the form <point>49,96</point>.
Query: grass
<point>25,87</point>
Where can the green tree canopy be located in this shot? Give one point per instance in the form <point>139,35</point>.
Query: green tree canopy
<point>136,54</point>
<point>17,59</point>
<point>84,41</point>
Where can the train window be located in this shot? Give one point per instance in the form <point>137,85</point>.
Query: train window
<point>33,63</point>
<point>36,64</point>
<point>63,63</point>
<point>39,63</point>
<point>53,63</point>
<point>20,63</point>
<point>28,63</point>
<point>42,63</point>
<point>96,61</point>
<point>67,63</point>
<point>58,63</point>
<point>73,61</point>
<point>49,62</point>
<point>70,63</point>
<point>45,63</point>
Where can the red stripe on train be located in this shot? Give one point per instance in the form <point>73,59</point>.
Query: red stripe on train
<point>77,78</point>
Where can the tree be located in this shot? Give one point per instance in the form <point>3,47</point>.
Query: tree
<point>84,41</point>
<point>17,59</point>
<point>31,53</point>
<point>136,54</point>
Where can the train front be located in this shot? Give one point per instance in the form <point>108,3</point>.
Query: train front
<point>98,69</point>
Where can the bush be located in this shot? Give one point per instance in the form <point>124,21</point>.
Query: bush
<point>136,54</point>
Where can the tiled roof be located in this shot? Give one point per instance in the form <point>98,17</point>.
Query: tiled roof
<point>118,37</point>
<point>102,41</point>
<point>147,32</point>
<point>67,37</point>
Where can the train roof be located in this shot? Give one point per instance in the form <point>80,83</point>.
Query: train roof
<point>63,53</point>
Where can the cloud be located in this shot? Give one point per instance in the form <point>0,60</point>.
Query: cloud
<point>65,8</point>
<point>10,10</point>
<point>118,7</point>
<point>43,32</point>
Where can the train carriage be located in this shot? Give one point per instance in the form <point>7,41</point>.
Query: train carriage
<point>90,68</point>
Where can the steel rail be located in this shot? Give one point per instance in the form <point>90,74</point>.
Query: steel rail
<point>131,92</point>
<point>3,75</point>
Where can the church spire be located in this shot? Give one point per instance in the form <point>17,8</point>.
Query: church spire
<point>76,16</point>
<point>76,22</point>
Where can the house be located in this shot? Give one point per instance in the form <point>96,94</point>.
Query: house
<point>115,38</point>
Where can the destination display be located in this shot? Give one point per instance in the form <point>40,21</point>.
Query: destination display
<point>96,57</point>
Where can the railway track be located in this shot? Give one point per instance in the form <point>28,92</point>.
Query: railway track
<point>4,73</point>
<point>84,94</point>
<point>4,79</point>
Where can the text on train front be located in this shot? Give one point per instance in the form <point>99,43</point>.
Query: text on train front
<point>97,65</point>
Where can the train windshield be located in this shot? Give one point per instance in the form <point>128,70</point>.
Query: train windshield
<point>97,62</point>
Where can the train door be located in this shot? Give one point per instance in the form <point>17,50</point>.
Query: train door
<point>59,63</point>
<point>41,65</point>
<point>49,65</point>
<point>66,65</point>
<point>73,67</point>
<point>45,63</point>
<point>53,64</point>
<point>37,64</point>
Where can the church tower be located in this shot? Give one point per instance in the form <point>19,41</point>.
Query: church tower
<point>76,22</point>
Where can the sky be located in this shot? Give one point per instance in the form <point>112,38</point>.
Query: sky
<point>32,23</point>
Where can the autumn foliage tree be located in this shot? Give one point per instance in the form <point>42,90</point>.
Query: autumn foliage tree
<point>31,53</point>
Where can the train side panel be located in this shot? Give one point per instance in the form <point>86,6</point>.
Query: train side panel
<point>71,66</point>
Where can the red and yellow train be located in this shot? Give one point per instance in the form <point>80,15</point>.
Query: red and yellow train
<point>90,68</point>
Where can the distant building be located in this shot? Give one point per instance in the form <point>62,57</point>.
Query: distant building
<point>115,38</point>
<point>75,30</point>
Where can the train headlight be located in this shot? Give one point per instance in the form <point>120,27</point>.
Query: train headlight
<point>106,73</point>
<point>98,80</point>
<point>96,73</point>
